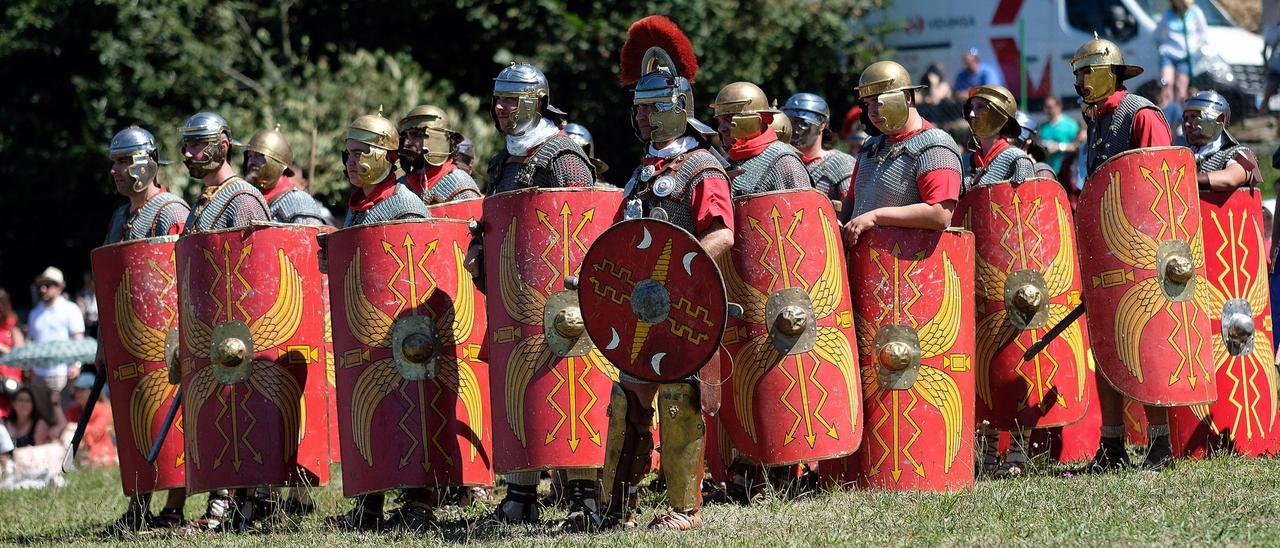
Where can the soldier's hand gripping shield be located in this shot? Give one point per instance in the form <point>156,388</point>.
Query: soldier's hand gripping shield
<point>553,383</point>
<point>914,317</point>
<point>1027,281</point>
<point>137,289</point>
<point>253,371</point>
<point>1143,267</point>
<point>1239,309</point>
<point>653,300</point>
<point>408,324</point>
<point>796,394</point>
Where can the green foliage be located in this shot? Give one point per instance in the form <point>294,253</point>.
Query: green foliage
<point>80,70</point>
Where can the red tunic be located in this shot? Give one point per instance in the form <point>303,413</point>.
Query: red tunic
<point>362,201</point>
<point>936,186</point>
<point>710,199</point>
<point>1150,129</point>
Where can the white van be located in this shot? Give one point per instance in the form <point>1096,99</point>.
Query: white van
<point>940,32</point>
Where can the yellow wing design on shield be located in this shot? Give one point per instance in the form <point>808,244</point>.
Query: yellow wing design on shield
<point>146,400</point>
<point>834,347</point>
<point>826,292</point>
<point>197,392</point>
<point>459,319</point>
<point>279,323</point>
<point>458,376</point>
<point>866,335</point>
<point>368,323</point>
<point>197,334</point>
<point>1132,247</point>
<point>940,390</point>
<point>751,299</point>
<point>1074,337</point>
<point>989,279</point>
<point>527,357</point>
<point>993,333</point>
<point>939,334</point>
<point>1061,270</point>
<point>1136,307</point>
<point>142,341</point>
<point>283,391</point>
<point>597,359</point>
<point>756,357</point>
<point>374,383</point>
<point>523,303</point>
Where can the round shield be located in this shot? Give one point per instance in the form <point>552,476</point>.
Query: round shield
<point>1239,306</point>
<point>1027,280</point>
<point>252,337</point>
<point>1143,267</point>
<point>137,294</point>
<point>914,316</point>
<point>653,300</point>
<point>555,384</point>
<point>795,391</point>
<point>407,326</point>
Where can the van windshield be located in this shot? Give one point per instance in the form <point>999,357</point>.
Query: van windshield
<point>1213,15</point>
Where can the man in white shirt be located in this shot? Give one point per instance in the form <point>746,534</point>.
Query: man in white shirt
<point>54,318</point>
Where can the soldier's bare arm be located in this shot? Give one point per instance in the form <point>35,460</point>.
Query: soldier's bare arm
<point>717,239</point>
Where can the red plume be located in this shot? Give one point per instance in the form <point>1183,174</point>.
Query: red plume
<point>656,30</point>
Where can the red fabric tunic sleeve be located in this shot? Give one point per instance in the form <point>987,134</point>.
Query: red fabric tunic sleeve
<point>1150,129</point>
<point>711,202</point>
<point>939,185</point>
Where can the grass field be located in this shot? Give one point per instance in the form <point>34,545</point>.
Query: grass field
<point>1224,500</point>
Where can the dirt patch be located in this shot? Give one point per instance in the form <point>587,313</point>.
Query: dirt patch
<point>1248,13</point>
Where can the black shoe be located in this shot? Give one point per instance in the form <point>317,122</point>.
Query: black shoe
<point>1159,454</point>
<point>168,518</point>
<point>1111,456</point>
<point>136,519</point>
<point>297,509</point>
<point>412,516</point>
<point>366,515</point>
<point>520,506</point>
<point>584,508</point>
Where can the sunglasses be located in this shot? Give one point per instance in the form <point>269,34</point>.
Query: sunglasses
<point>43,285</point>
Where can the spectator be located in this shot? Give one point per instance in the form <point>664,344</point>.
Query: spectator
<point>1271,52</point>
<point>88,303</point>
<point>938,88</point>
<point>10,337</point>
<point>98,442</point>
<point>975,73</point>
<point>1181,34</point>
<point>1058,134</point>
<point>54,318</point>
<point>26,426</point>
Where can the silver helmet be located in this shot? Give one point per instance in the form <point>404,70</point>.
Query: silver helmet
<point>1205,116</point>
<point>582,136</point>
<point>809,116</point>
<point>207,128</point>
<point>139,145</point>
<point>1027,126</point>
<point>529,85</point>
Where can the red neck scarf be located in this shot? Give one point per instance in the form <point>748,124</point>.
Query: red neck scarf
<point>362,201</point>
<point>904,136</point>
<point>750,148</point>
<point>435,173</point>
<point>807,159</point>
<point>983,158</point>
<point>283,186</point>
<point>1107,107</point>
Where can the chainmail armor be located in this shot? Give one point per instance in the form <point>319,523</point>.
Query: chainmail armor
<point>556,162</point>
<point>888,172</point>
<point>778,167</point>
<point>401,204</point>
<point>1220,159</point>
<point>1044,170</point>
<point>1119,130</point>
<point>695,166</point>
<point>1012,164</point>
<point>156,218</point>
<point>235,204</point>
<point>298,207</point>
<point>831,175</point>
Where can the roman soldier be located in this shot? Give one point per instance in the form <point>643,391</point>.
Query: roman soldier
<point>151,212</point>
<point>992,116</point>
<point>830,169</point>
<point>908,175</point>
<point>536,155</point>
<point>427,157</point>
<point>1118,121</point>
<point>758,161</point>
<point>681,179</point>
<point>227,201</point>
<point>1029,128</point>
<point>582,136</point>
<point>781,125</point>
<point>268,160</point>
<point>1223,163</point>
<point>369,158</point>
<point>465,154</point>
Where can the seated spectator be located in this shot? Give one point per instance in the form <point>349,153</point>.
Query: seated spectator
<point>98,447</point>
<point>10,337</point>
<point>975,73</point>
<point>25,424</point>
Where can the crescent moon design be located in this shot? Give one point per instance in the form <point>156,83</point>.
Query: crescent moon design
<point>688,262</point>
<point>656,362</point>
<point>613,343</point>
<point>644,244</point>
